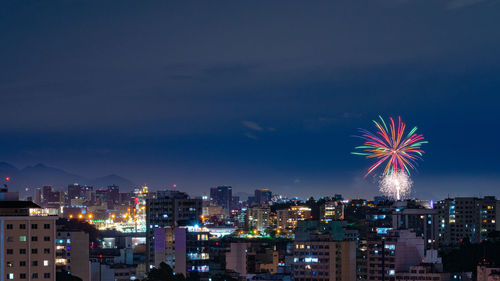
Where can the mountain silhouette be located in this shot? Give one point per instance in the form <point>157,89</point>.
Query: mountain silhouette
<point>40,175</point>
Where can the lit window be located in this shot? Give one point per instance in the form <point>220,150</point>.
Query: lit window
<point>10,276</point>
<point>45,263</point>
<point>22,238</point>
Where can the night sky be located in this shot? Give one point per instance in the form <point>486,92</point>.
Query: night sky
<point>251,94</point>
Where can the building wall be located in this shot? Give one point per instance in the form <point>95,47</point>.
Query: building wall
<point>18,247</point>
<point>236,258</point>
<point>287,219</point>
<point>164,246</point>
<point>402,250</point>
<point>324,260</point>
<point>72,253</point>
<point>485,273</point>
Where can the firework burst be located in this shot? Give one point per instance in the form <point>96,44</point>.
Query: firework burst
<point>396,151</point>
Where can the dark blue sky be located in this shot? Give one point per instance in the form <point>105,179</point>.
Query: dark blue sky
<point>251,94</point>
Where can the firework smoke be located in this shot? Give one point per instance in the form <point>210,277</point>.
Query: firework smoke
<point>396,185</point>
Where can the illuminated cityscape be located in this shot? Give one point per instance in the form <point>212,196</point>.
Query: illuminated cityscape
<point>249,141</point>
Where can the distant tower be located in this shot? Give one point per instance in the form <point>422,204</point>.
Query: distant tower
<point>222,196</point>
<point>37,196</point>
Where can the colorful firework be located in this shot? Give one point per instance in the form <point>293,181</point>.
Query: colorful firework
<point>391,146</point>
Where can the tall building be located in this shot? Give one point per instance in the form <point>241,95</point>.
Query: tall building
<point>185,248</point>
<point>324,260</point>
<point>52,198</point>
<point>164,246</point>
<point>27,241</point>
<point>332,211</point>
<point>113,196</point>
<point>169,208</point>
<point>288,218</point>
<point>192,250</point>
<point>79,193</point>
<point>72,253</point>
<point>46,194</point>
<point>258,218</point>
<point>251,258</point>
<point>74,191</point>
<point>391,252</point>
<point>262,196</point>
<point>423,221</point>
<point>37,196</point>
<point>222,196</point>
<point>467,218</point>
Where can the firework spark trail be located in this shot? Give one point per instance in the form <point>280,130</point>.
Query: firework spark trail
<point>399,153</point>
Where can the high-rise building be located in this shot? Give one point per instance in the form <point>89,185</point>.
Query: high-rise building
<point>185,248</point>
<point>324,260</point>
<point>332,211</point>
<point>467,218</point>
<point>222,196</point>
<point>423,221</point>
<point>52,198</point>
<point>72,253</point>
<point>169,208</point>
<point>262,196</point>
<point>288,218</point>
<point>46,194</point>
<point>37,196</point>
<point>251,258</point>
<point>393,251</point>
<point>74,191</point>
<point>258,218</point>
<point>164,244</point>
<point>113,196</point>
<point>27,246</point>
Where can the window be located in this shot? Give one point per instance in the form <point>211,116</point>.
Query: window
<point>10,276</point>
<point>34,238</point>
<point>34,263</point>
<point>34,226</point>
<point>46,226</point>
<point>11,226</point>
<point>22,251</point>
<point>10,251</point>
<point>34,275</point>
<point>22,226</point>
<point>22,238</point>
<point>34,251</point>
<point>46,275</point>
<point>22,263</point>
<point>45,262</point>
<point>9,264</point>
<point>46,238</point>
<point>22,276</point>
<point>46,251</point>
<point>9,239</point>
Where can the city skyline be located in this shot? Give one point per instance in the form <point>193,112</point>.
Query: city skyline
<point>264,95</point>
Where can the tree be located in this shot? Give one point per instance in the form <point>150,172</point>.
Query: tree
<point>164,273</point>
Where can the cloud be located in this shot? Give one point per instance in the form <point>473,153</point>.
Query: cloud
<point>457,4</point>
<point>251,136</point>
<point>252,125</point>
